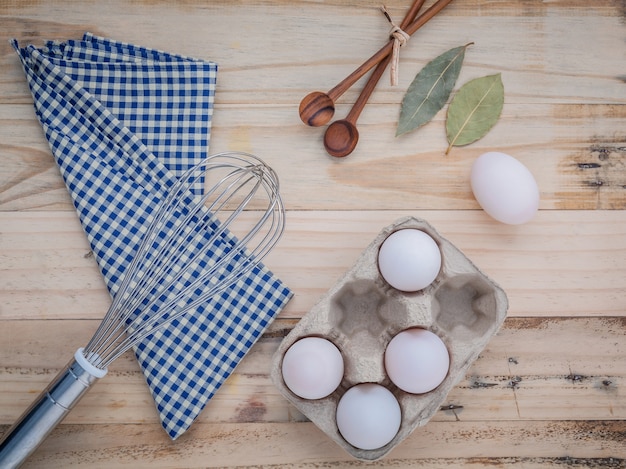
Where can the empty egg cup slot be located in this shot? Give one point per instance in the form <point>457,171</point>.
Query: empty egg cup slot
<point>362,307</point>
<point>465,306</point>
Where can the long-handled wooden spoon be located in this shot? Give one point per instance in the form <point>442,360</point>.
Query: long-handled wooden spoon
<point>342,136</point>
<point>317,108</point>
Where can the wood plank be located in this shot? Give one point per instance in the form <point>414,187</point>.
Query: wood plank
<point>563,263</point>
<point>576,166</point>
<point>553,52</point>
<point>572,444</point>
<point>533,369</point>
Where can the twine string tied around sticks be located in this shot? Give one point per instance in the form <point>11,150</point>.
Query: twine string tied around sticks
<point>400,38</point>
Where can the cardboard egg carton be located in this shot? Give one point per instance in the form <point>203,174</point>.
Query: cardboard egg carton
<point>361,313</point>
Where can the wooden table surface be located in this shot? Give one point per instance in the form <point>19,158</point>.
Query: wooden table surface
<point>550,388</point>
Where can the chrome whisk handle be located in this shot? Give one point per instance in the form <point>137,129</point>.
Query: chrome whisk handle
<point>48,410</point>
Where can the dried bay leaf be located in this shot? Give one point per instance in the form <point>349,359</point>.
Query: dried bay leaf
<point>430,89</point>
<point>474,110</point>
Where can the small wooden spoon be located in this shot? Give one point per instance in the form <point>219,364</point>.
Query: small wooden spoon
<point>342,136</point>
<point>317,108</point>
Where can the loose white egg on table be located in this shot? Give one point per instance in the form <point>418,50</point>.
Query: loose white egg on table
<point>368,416</point>
<point>312,367</point>
<point>504,188</point>
<point>409,260</point>
<point>417,360</point>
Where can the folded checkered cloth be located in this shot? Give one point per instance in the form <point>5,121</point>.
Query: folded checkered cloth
<point>123,122</point>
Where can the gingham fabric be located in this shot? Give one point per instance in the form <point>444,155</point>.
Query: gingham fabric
<point>123,122</point>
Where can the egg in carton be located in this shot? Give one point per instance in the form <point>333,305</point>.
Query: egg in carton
<point>361,314</point>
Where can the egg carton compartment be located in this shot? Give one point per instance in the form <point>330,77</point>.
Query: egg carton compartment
<point>361,313</point>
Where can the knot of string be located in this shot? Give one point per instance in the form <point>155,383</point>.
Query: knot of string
<point>399,38</point>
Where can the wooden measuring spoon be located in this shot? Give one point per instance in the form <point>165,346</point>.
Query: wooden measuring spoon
<point>317,108</point>
<point>342,136</point>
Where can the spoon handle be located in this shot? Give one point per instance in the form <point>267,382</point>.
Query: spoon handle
<point>351,79</point>
<point>416,6</point>
<point>367,90</point>
<point>374,78</point>
<point>384,51</point>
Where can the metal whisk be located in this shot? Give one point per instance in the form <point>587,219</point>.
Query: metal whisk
<point>192,250</point>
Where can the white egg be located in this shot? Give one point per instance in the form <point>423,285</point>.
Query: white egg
<point>504,188</point>
<point>417,360</point>
<point>368,416</point>
<point>312,367</point>
<point>409,260</point>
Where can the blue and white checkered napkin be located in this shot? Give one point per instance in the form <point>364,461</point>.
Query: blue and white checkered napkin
<point>123,122</point>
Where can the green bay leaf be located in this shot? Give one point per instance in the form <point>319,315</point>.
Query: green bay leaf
<point>430,89</point>
<point>474,110</point>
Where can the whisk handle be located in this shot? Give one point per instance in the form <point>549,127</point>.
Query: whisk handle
<point>47,411</point>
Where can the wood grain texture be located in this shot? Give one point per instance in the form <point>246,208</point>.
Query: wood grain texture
<point>572,444</point>
<point>547,392</point>
<point>564,263</point>
<point>577,159</point>
<point>526,373</point>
